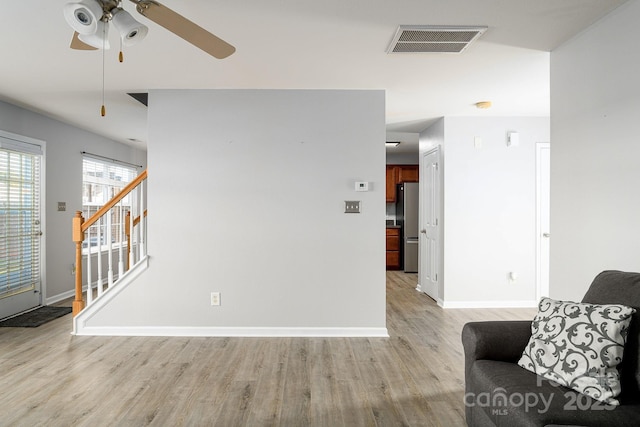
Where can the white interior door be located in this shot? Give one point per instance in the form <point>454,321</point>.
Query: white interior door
<point>20,225</point>
<point>429,275</point>
<point>543,180</point>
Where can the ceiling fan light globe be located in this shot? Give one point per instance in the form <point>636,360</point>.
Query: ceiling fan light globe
<point>99,39</point>
<point>131,31</point>
<point>83,16</point>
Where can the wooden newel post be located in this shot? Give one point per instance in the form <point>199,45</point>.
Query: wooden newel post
<point>78,238</point>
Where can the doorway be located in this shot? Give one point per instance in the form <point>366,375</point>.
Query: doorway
<point>543,190</point>
<point>20,224</point>
<point>429,249</point>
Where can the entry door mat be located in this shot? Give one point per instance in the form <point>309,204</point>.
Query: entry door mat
<point>35,318</point>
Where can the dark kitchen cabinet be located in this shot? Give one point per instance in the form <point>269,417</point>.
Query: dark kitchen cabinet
<point>397,174</point>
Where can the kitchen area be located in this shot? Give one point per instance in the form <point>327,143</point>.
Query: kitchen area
<point>402,217</point>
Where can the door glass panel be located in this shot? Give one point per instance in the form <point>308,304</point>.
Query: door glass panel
<point>19,223</point>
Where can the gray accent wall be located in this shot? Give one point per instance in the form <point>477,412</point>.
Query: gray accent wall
<point>246,197</point>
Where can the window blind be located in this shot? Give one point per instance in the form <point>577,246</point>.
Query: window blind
<point>19,220</point>
<point>101,181</point>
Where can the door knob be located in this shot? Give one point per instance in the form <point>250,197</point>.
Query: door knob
<point>423,231</point>
<point>546,235</point>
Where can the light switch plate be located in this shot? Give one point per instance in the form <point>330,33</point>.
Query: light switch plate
<point>352,206</point>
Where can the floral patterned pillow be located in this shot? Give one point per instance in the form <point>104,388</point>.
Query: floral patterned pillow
<point>579,345</point>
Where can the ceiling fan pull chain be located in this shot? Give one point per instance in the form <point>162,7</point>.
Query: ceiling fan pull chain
<point>103,109</point>
<point>90,17</point>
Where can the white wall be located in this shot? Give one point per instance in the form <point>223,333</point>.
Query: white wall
<point>489,209</point>
<point>595,176</point>
<point>64,144</point>
<point>246,197</point>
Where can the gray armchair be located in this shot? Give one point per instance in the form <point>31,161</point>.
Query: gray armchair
<point>498,392</point>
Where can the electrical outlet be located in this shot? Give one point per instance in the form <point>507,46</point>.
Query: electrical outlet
<point>215,298</point>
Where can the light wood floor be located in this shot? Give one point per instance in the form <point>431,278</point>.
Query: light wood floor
<point>413,378</point>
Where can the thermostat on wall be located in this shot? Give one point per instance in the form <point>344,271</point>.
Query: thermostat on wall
<point>362,186</point>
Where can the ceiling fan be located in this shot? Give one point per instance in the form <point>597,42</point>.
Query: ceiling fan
<point>91,18</point>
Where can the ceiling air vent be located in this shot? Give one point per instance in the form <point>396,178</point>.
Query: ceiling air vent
<point>433,39</point>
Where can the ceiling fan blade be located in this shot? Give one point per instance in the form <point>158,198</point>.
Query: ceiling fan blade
<point>182,27</point>
<point>78,44</point>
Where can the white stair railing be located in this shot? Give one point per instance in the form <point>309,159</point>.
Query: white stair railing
<point>119,224</point>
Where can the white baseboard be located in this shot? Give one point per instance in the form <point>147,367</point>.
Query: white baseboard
<point>488,304</point>
<point>212,331</point>
<point>72,293</point>
<point>482,304</point>
<point>57,298</point>
<point>437,300</point>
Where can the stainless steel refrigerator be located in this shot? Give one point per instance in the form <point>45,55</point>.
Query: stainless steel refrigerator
<point>407,209</point>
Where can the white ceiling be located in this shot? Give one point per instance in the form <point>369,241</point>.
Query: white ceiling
<point>294,44</point>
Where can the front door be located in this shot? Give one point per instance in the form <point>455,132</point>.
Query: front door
<point>430,225</point>
<point>20,224</point>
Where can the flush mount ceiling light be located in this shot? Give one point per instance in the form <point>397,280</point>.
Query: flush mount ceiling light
<point>392,143</point>
<point>433,39</point>
<point>483,105</point>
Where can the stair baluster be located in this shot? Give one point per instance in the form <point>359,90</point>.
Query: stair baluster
<point>125,232</point>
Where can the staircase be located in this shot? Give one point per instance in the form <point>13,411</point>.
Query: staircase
<point>114,240</point>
